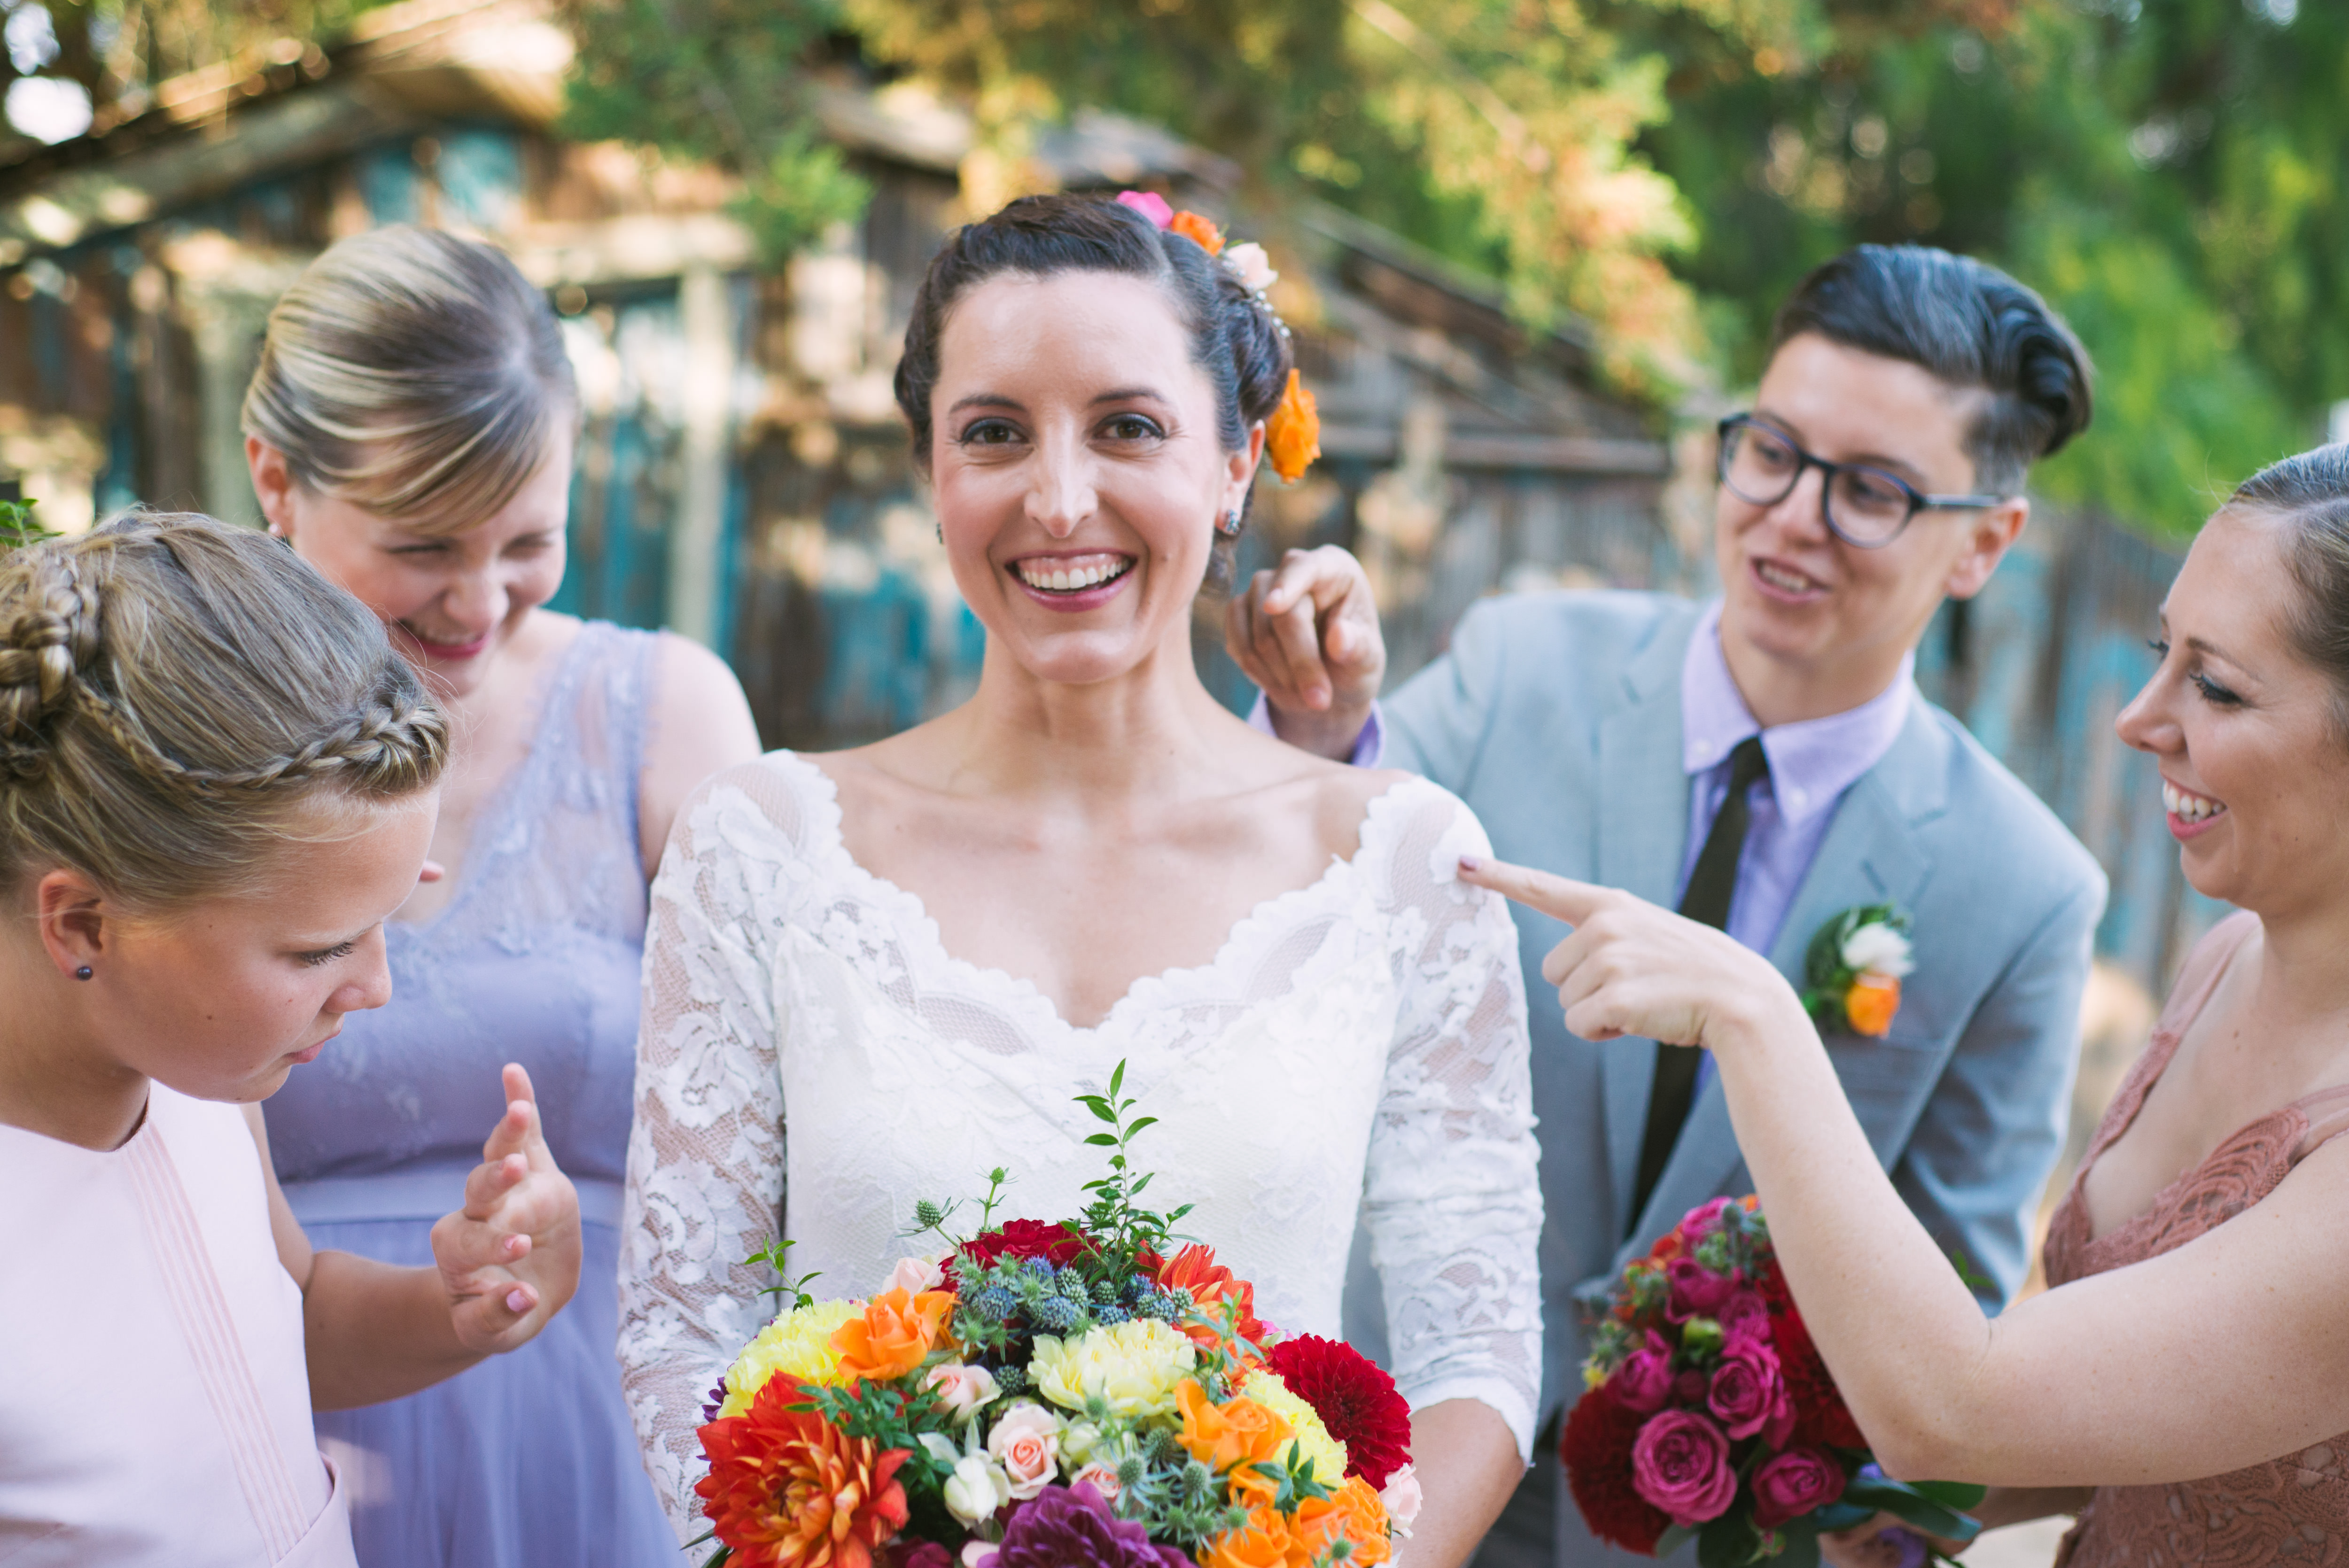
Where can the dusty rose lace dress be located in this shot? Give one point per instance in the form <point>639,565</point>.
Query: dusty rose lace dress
<point>2294,1509</point>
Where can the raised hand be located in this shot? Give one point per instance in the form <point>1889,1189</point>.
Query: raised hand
<point>510,1257</point>
<point>1308,632</point>
<point>1630,969</point>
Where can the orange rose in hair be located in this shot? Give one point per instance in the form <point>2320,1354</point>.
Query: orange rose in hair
<point>1870,1004</point>
<point>1292,436</point>
<point>1197,229</point>
<point>895,1333</point>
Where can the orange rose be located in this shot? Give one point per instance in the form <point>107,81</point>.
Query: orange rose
<point>1266,1541</point>
<point>1292,436</point>
<point>1238,1432</point>
<point>1363,1521</point>
<point>786,1489</point>
<point>1198,229</point>
<point>1870,1004</point>
<point>895,1333</point>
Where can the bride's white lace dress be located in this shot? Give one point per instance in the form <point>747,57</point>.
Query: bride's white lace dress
<point>1357,1045</point>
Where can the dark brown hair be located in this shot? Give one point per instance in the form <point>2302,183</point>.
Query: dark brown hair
<point>2311,491</point>
<point>1234,339</point>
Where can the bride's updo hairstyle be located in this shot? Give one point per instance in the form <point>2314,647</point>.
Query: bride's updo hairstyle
<point>178,697</point>
<point>415,373</point>
<point>1234,339</point>
<point>2311,493</point>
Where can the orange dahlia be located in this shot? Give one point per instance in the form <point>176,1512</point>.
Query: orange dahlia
<point>1194,1269</point>
<point>786,1489</point>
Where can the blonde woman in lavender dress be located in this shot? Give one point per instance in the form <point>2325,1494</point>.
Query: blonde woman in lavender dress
<point>571,745</point>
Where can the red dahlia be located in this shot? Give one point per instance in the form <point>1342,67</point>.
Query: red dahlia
<point>1596,1450</point>
<point>1356,1400</point>
<point>1821,1417</point>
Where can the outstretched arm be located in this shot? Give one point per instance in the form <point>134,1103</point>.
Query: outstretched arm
<point>2226,1352</point>
<point>506,1263</point>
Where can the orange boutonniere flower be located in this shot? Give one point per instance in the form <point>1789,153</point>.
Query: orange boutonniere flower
<point>1855,965</point>
<point>897,1330</point>
<point>1193,227</point>
<point>1292,436</point>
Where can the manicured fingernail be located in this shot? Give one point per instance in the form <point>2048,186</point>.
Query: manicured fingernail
<point>1471,863</point>
<point>514,1245</point>
<point>517,1300</point>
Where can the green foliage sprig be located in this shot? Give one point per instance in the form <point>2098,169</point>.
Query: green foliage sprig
<point>18,528</point>
<point>1125,1229</point>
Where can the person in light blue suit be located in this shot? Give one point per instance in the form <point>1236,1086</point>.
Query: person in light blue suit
<point>1764,762</point>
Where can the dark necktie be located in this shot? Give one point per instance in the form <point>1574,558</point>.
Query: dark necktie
<point>1711,886</point>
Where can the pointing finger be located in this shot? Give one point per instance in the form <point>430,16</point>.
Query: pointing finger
<point>1557,897</point>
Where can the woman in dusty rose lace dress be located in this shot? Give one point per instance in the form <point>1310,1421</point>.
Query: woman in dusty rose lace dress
<point>2184,1385</point>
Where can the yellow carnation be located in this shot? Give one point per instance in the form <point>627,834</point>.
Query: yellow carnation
<point>1314,1440</point>
<point>798,1342</point>
<point>1135,1365</point>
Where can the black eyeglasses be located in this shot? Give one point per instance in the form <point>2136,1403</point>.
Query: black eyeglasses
<point>1861,505</point>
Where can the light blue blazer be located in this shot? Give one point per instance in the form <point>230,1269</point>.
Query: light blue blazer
<point>1556,717</point>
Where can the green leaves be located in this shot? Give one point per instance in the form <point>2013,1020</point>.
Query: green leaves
<point>793,1291</point>
<point>17,527</point>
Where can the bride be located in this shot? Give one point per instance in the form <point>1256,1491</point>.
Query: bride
<point>873,975</point>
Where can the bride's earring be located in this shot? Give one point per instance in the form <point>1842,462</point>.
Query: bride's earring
<point>1228,526</point>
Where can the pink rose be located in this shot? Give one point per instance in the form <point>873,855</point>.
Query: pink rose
<point>1746,1387</point>
<point>1701,1221</point>
<point>962,1389</point>
<point>1794,1483</point>
<point>1403,1498</point>
<point>1696,1290</point>
<point>974,1550</point>
<point>1644,1381</point>
<point>914,1275</point>
<point>1149,205</point>
<point>1744,1315</point>
<point>1679,1463</point>
<point>1102,1476</point>
<point>1027,1443</point>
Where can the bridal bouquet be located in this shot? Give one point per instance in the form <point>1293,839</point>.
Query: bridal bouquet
<point>1075,1395</point>
<point>1708,1413</point>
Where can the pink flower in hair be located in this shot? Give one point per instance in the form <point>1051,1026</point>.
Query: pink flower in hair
<point>1149,205</point>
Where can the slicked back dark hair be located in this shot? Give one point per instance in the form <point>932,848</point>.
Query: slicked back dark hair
<point>1234,340</point>
<point>1970,325</point>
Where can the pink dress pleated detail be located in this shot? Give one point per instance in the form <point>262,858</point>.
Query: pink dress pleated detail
<point>155,1407</point>
<point>2294,1509</point>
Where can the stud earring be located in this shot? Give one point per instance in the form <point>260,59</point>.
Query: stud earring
<point>84,972</point>
<point>1229,527</point>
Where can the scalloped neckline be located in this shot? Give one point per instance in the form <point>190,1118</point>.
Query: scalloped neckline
<point>912,915</point>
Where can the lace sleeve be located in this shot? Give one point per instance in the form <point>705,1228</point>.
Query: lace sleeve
<point>1452,1197</point>
<point>706,1155</point>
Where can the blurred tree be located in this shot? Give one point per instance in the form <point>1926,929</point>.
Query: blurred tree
<point>2162,170</point>
<point>1496,133</point>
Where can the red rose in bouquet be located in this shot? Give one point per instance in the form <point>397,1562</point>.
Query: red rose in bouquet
<point>1708,1411</point>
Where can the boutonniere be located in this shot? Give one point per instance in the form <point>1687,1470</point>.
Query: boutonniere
<point>1854,969</point>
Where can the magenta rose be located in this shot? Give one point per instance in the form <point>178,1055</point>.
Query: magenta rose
<point>1794,1483</point>
<point>1744,1315</point>
<point>1701,1221</point>
<point>1644,1381</point>
<point>1679,1463</point>
<point>1696,1290</point>
<point>1746,1387</point>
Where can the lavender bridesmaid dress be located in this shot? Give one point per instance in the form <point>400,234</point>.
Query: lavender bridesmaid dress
<point>528,1461</point>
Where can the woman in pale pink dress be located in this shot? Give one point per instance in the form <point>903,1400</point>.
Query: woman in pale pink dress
<point>2183,1386</point>
<point>216,779</point>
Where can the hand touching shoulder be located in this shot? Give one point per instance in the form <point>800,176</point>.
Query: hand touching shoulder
<point>697,723</point>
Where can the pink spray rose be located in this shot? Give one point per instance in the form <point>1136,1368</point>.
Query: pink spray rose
<point>1696,1290</point>
<point>1703,1221</point>
<point>1027,1441</point>
<point>1150,204</point>
<point>1794,1483</point>
<point>1744,1315</point>
<point>1746,1387</point>
<point>1679,1463</point>
<point>1644,1381</point>
<point>961,1389</point>
<point>1403,1499</point>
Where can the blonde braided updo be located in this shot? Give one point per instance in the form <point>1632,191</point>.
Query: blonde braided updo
<point>177,696</point>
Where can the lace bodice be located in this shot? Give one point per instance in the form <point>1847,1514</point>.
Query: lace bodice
<point>1357,1045</point>
<point>2294,1508</point>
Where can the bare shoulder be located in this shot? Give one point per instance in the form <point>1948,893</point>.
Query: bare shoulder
<point>698,724</point>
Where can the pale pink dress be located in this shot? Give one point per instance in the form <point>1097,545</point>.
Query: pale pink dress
<point>2294,1508</point>
<point>154,1406</point>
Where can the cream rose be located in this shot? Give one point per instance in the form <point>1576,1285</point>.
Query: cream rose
<point>962,1389</point>
<point>1877,948</point>
<point>1027,1441</point>
<point>914,1275</point>
<point>1250,265</point>
<point>976,1489</point>
<point>1401,1498</point>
